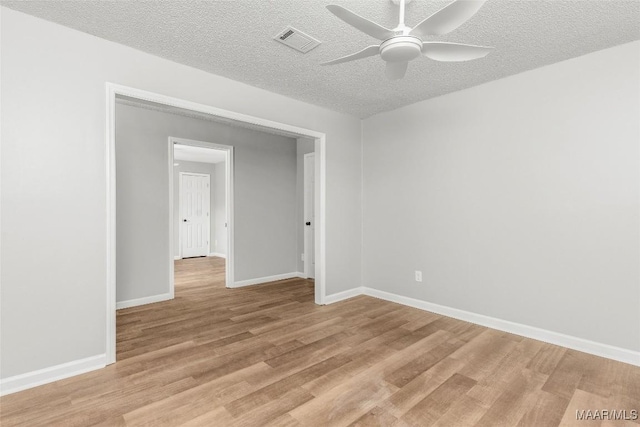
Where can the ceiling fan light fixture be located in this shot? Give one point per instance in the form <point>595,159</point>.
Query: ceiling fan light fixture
<point>401,48</point>
<point>403,44</point>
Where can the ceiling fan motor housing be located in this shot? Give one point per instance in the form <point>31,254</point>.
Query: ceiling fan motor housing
<point>401,48</point>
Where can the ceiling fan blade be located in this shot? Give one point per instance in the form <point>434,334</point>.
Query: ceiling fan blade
<point>364,53</point>
<point>448,18</point>
<point>362,24</point>
<point>396,70</point>
<point>453,52</point>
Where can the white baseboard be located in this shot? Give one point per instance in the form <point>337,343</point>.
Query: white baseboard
<point>218,254</point>
<point>143,301</point>
<point>54,373</point>
<point>266,279</point>
<point>341,296</point>
<point>175,258</point>
<point>301,275</point>
<point>575,343</point>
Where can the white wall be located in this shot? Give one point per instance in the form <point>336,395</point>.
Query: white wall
<point>195,167</point>
<point>304,146</point>
<point>53,180</point>
<point>264,198</point>
<point>517,199</point>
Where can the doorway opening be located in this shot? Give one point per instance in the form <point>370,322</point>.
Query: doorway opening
<point>214,114</point>
<point>201,201</point>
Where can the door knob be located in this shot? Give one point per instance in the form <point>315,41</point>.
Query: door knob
<point>307,223</point>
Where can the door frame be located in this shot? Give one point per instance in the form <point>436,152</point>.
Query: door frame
<point>180,203</point>
<point>112,90</point>
<point>229,165</point>
<point>305,238</point>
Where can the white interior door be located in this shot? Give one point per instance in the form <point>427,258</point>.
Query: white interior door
<point>194,211</point>
<point>309,216</point>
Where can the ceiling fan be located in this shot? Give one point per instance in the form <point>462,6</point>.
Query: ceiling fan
<point>403,44</point>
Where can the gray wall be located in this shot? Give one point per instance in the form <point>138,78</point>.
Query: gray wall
<point>304,146</point>
<point>142,216</point>
<point>214,200</point>
<point>53,131</point>
<point>264,198</point>
<point>517,199</point>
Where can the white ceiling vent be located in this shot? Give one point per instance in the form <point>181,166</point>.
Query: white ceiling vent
<point>296,39</point>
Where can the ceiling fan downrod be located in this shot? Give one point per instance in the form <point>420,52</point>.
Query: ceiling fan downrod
<point>401,47</point>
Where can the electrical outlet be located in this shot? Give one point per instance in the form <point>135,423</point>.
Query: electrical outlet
<point>418,276</point>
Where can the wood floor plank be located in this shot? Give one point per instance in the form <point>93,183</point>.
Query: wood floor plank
<point>464,412</point>
<point>280,388</point>
<point>565,378</point>
<point>582,400</point>
<point>218,416</point>
<point>184,406</point>
<point>421,386</point>
<point>435,405</point>
<point>546,360</point>
<point>284,420</point>
<point>377,417</point>
<point>268,356</point>
<point>626,404</point>
<point>547,410</point>
<point>422,363</point>
<point>496,381</point>
<point>355,396</point>
<point>483,358</point>
<point>516,399</point>
<point>274,409</point>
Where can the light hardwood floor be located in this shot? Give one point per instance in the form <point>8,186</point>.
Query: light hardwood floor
<point>268,356</point>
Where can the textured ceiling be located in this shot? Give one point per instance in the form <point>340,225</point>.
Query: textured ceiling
<point>233,38</point>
